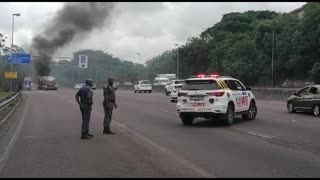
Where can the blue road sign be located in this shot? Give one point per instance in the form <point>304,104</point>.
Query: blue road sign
<point>16,58</point>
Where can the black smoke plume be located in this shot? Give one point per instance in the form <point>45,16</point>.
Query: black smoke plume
<point>73,19</point>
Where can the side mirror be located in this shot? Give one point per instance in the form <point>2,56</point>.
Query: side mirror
<point>248,88</point>
<point>295,93</point>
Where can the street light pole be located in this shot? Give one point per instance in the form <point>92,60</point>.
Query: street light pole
<point>139,64</point>
<point>272,83</point>
<point>15,14</point>
<point>177,62</point>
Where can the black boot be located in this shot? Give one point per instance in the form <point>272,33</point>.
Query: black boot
<point>107,131</point>
<point>85,136</point>
<point>90,135</point>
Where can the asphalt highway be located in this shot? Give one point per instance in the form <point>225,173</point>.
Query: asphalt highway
<point>152,142</point>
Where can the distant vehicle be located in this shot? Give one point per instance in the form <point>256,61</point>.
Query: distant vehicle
<point>211,96</point>
<point>169,76</point>
<point>94,86</point>
<point>47,83</point>
<point>174,83</point>
<point>115,85</point>
<point>161,81</point>
<point>306,99</point>
<point>174,93</point>
<point>127,84</point>
<point>78,86</point>
<point>143,85</point>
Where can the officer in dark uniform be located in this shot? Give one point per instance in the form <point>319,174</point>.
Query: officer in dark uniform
<point>84,99</point>
<point>108,103</point>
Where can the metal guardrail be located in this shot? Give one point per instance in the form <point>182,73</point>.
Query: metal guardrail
<point>7,103</point>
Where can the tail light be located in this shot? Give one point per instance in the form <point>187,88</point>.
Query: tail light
<point>181,94</point>
<point>218,94</point>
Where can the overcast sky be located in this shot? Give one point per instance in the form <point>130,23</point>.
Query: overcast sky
<point>148,28</point>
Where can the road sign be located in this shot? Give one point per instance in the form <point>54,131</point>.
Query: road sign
<point>16,58</point>
<point>27,83</point>
<point>10,75</point>
<point>83,61</point>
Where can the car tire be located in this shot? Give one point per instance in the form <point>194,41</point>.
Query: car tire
<point>139,91</point>
<point>186,120</point>
<point>316,110</point>
<point>166,92</point>
<point>229,116</point>
<point>252,112</point>
<point>290,107</point>
<point>150,91</point>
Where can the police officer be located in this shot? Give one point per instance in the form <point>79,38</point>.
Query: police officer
<point>84,99</point>
<point>108,103</point>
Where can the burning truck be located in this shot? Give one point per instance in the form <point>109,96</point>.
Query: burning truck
<point>47,83</point>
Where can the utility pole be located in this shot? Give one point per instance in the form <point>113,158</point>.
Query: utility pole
<point>272,81</point>
<point>111,67</point>
<point>177,62</point>
<point>15,14</point>
<point>139,68</point>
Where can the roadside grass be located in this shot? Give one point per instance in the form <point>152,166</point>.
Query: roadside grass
<point>3,95</point>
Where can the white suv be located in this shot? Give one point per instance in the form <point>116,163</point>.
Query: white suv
<point>174,83</point>
<point>143,85</point>
<point>214,96</point>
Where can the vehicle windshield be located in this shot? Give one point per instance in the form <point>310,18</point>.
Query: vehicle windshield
<point>200,85</point>
<point>145,82</point>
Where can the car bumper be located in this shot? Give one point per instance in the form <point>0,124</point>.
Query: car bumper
<point>215,109</point>
<point>145,89</point>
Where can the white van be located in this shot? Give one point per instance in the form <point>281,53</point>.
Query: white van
<point>161,81</point>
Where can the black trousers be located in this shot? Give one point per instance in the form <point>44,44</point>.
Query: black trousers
<point>86,114</point>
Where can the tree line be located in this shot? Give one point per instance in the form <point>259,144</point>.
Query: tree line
<point>240,45</point>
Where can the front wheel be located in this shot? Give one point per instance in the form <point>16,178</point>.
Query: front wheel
<point>291,107</point>
<point>150,91</point>
<point>166,92</point>
<point>316,110</point>
<point>252,112</point>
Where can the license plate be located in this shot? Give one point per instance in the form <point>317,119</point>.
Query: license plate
<point>196,98</point>
<point>198,104</point>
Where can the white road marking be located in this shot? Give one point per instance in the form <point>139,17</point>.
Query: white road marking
<point>253,133</point>
<point>14,138</point>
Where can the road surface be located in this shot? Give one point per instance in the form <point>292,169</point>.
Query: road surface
<point>44,141</point>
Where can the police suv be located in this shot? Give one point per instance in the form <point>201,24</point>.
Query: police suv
<point>210,96</point>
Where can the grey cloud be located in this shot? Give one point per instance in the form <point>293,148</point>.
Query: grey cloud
<point>153,27</point>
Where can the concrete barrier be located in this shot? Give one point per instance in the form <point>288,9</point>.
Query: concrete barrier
<point>158,89</point>
<point>125,88</point>
<point>280,94</point>
<point>155,89</point>
<point>277,94</point>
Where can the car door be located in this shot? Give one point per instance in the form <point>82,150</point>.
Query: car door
<point>238,95</point>
<point>136,85</point>
<point>310,98</point>
<point>299,100</point>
